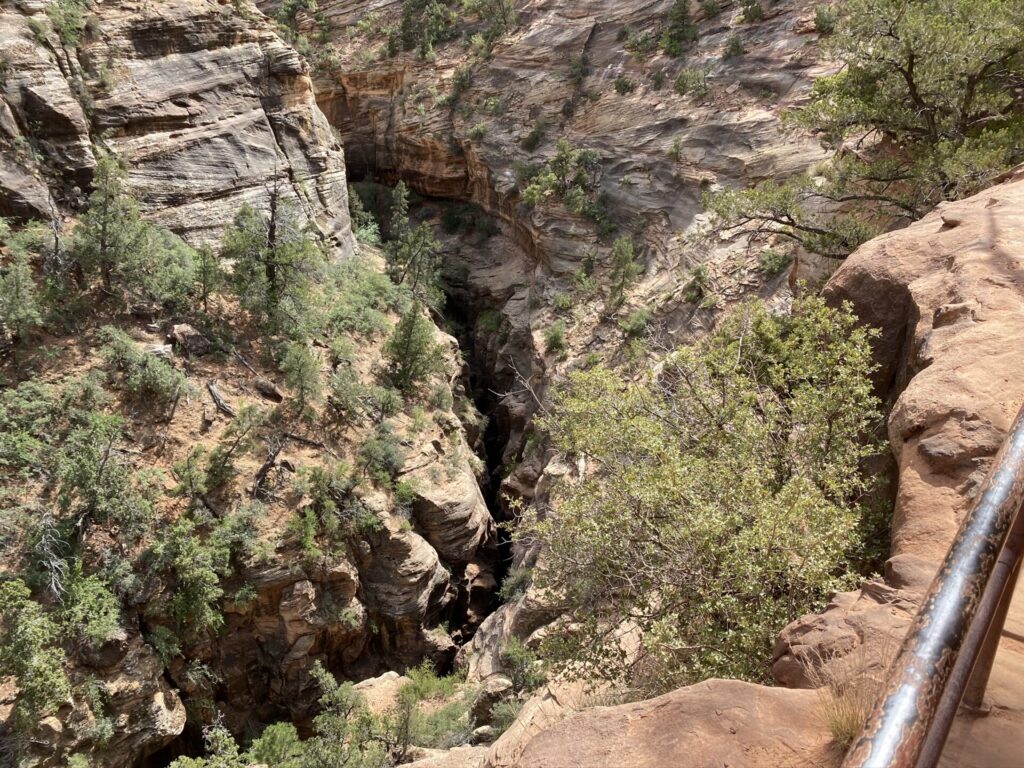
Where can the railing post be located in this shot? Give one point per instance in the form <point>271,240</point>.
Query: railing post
<point>974,693</point>
<point>900,724</point>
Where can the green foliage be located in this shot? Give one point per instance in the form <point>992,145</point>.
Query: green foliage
<point>301,369</point>
<point>680,32</point>
<point>276,264</point>
<point>20,308</point>
<point>781,209</point>
<point>426,24</point>
<point>522,665</point>
<point>504,713</point>
<point>146,376</point>
<point>572,176</point>
<point>698,284</point>
<point>209,275</point>
<point>722,498</point>
<point>930,104</point>
<point>364,225</point>
<point>94,482</point>
<point>772,262</point>
<point>413,253</point>
<point>238,439</point>
<point>165,643</point>
<point>91,611</point>
<point>624,269</point>
<point>554,337</point>
<point>658,80</point>
<point>635,324</point>
<point>68,18</point>
<point>361,298</point>
<point>710,8</point>
<point>624,85</point>
<point>752,11</point>
<point>578,69</point>
<point>198,564</point>
<point>515,584</point>
<point>381,455</point>
<point>411,352</point>
<point>134,260</point>
<point>825,19</point>
<point>692,81</point>
<point>734,47</point>
<point>30,651</point>
<point>535,137</point>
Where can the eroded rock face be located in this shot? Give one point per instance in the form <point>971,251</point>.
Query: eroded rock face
<point>948,294</point>
<point>202,100</point>
<point>714,723</point>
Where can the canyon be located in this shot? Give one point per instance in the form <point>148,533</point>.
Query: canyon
<point>210,108</point>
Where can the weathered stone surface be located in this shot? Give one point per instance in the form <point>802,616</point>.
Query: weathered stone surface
<point>714,723</point>
<point>203,101</point>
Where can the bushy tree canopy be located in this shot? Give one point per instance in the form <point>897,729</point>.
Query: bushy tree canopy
<point>926,107</point>
<point>719,500</point>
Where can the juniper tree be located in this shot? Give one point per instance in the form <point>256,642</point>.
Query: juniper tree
<point>928,107</point>
<point>276,264</point>
<point>720,500</point>
<point>20,308</point>
<point>411,352</point>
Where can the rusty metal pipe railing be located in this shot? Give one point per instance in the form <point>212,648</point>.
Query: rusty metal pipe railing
<point>898,728</point>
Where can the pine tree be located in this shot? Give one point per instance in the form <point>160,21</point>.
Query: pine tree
<point>413,253</point>
<point>19,301</point>
<point>110,239</point>
<point>276,263</point>
<point>301,371</point>
<point>209,275</point>
<point>624,269</point>
<point>411,352</point>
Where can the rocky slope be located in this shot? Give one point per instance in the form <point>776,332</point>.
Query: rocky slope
<point>948,293</point>
<point>209,110</point>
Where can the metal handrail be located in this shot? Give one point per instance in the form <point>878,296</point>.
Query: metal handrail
<point>950,645</point>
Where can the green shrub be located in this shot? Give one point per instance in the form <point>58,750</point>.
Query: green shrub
<point>724,496</point>
<point>411,352</point>
<point>30,651</point>
<point>477,132</point>
<point>710,8</point>
<point>381,455</point>
<point>364,225</point>
<point>752,11</point>
<point>277,263</point>
<point>91,612</point>
<point>734,47</point>
<point>624,85</point>
<point>554,337</point>
<point>301,369</point>
<point>146,376</point>
<point>625,269</point>
<point>504,713</point>
<point>522,665</point>
<point>534,138</point>
<point>515,584</point>
<point>361,299</point>
<point>825,19</point>
<point>578,69</point>
<point>635,324</point>
<point>68,18</point>
<point>697,286</point>
<point>772,262</point>
<point>680,31</point>
<point>94,482</point>
<point>165,643</point>
<point>658,80</point>
<point>692,80</point>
